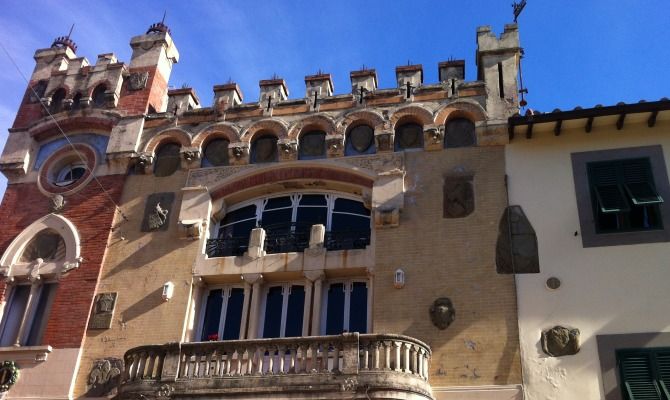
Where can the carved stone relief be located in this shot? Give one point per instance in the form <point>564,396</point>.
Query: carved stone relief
<point>459,200</point>
<point>442,313</point>
<point>103,311</point>
<point>138,80</point>
<point>560,341</point>
<point>157,211</point>
<point>57,203</point>
<point>384,141</point>
<point>516,247</point>
<point>104,377</point>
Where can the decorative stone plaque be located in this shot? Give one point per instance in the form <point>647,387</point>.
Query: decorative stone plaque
<point>442,313</point>
<point>138,80</point>
<point>103,311</point>
<point>104,377</point>
<point>157,212</point>
<point>560,341</point>
<point>9,374</point>
<point>459,200</point>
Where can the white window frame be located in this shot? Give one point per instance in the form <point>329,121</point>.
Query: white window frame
<point>348,288</point>
<point>260,204</point>
<point>286,292</point>
<point>226,293</point>
<point>61,181</point>
<point>29,317</point>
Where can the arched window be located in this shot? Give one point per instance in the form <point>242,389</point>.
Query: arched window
<point>312,145</point>
<point>69,174</point>
<point>360,140</point>
<point>459,132</point>
<point>47,245</point>
<point>264,149</point>
<point>57,101</point>
<point>99,98</point>
<point>408,135</point>
<point>167,160</point>
<point>76,101</point>
<point>216,153</point>
<point>288,219</point>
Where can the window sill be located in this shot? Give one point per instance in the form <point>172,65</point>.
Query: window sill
<point>25,353</point>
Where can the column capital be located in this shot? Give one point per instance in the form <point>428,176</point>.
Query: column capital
<point>252,278</point>
<point>314,275</point>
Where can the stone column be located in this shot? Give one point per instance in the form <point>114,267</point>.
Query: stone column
<point>316,277</point>
<point>245,310</point>
<point>254,306</point>
<point>371,277</point>
<point>307,308</point>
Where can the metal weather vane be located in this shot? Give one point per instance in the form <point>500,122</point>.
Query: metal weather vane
<point>518,7</point>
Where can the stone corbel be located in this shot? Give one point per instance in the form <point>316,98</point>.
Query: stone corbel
<point>288,149</point>
<point>196,207</point>
<point>143,162</point>
<point>335,145</point>
<point>238,153</point>
<point>433,137</point>
<point>67,104</point>
<point>384,141</point>
<point>190,157</point>
<point>69,266</point>
<point>35,275</point>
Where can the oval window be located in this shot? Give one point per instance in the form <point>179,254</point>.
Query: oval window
<point>312,145</point>
<point>460,132</point>
<point>99,96</point>
<point>408,136</point>
<point>167,160</point>
<point>69,174</point>
<point>360,140</point>
<point>264,149</point>
<point>216,153</point>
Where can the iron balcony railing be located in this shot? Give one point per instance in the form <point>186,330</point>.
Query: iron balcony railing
<point>286,237</point>
<point>347,240</point>
<point>232,246</point>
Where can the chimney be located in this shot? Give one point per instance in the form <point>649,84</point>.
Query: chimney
<point>365,79</point>
<point>227,96</point>
<point>182,100</point>
<point>272,89</point>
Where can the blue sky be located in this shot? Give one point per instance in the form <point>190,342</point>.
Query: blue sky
<point>577,52</point>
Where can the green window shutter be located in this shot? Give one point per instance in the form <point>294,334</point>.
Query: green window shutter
<point>639,182</point>
<point>606,179</point>
<point>637,375</point>
<point>663,369</point>
<point>610,198</point>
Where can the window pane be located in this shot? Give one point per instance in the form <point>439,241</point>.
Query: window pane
<point>311,216</point>
<point>278,202</point>
<point>273,309</point>
<point>41,316</point>
<point>167,160</point>
<point>408,136</point>
<point>312,145</point>
<point>14,314</point>
<point>335,309</point>
<point>360,140</point>
<point>350,206</point>
<point>231,331</point>
<point>210,326</point>
<point>240,214</point>
<point>216,153</point>
<point>294,311</point>
<point>346,222</point>
<point>313,200</point>
<point>358,311</point>
<point>460,132</point>
<point>264,149</point>
<point>282,216</point>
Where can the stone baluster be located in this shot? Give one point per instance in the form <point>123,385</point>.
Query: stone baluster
<point>376,360</point>
<point>271,359</point>
<point>425,367</point>
<point>387,355</point>
<point>406,351</point>
<point>260,353</point>
<point>396,354</point>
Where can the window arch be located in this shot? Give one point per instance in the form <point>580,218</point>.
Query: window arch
<point>76,101</point>
<point>47,245</point>
<point>408,135</point>
<point>98,96</point>
<point>167,159</point>
<point>312,145</point>
<point>264,149</point>
<point>57,101</point>
<point>216,153</point>
<point>459,132</point>
<point>287,219</point>
<point>360,140</point>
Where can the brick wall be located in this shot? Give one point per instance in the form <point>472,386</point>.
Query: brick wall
<point>452,258</point>
<point>92,214</point>
<point>28,112</point>
<point>135,102</point>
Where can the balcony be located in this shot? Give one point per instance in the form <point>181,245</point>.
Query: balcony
<point>288,238</point>
<point>343,366</point>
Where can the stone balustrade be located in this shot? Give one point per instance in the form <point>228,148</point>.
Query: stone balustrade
<point>266,367</point>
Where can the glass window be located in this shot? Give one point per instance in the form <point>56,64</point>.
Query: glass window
<point>312,145</point>
<point>167,160</point>
<point>216,153</point>
<point>264,149</point>
<point>346,308</point>
<point>283,311</point>
<point>70,174</point>
<point>35,318</point>
<point>99,98</point>
<point>408,136</point>
<point>459,132</point>
<point>47,245</point>
<point>360,140</point>
<point>222,314</point>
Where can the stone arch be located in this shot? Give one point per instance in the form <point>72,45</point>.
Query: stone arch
<point>90,89</point>
<point>9,263</point>
<point>319,121</point>
<point>460,109</point>
<point>276,126</point>
<point>170,135</point>
<point>372,118</point>
<point>412,113</point>
<point>59,87</point>
<point>220,130</point>
<point>95,121</point>
<point>295,171</point>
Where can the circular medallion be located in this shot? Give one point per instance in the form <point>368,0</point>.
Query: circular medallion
<point>67,170</point>
<point>9,374</point>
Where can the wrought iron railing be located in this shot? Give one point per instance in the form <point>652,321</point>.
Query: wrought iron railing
<point>232,246</point>
<point>347,240</point>
<point>286,237</point>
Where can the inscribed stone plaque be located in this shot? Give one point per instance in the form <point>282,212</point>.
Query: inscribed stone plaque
<point>157,212</point>
<point>459,199</point>
<point>103,311</point>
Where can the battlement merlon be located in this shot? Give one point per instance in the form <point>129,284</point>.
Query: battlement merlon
<point>155,48</point>
<point>52,59</point>
<point>488,43</point>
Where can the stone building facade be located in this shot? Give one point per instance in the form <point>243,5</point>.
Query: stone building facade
<point>324,246</point>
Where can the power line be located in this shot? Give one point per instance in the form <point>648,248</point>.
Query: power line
<point>81,157</point>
